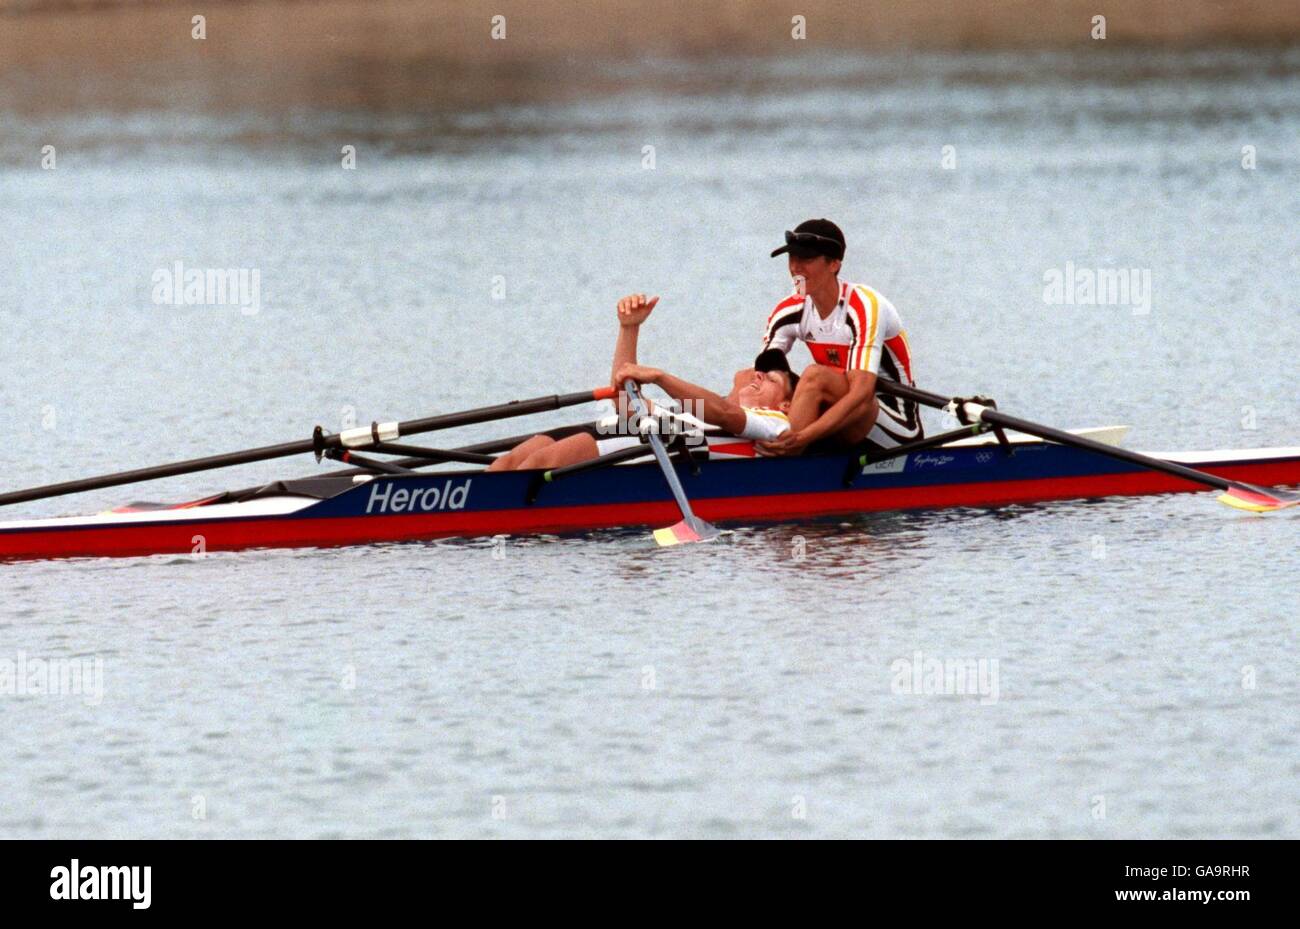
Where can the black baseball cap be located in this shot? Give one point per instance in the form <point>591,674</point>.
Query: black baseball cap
<point>773,359</point>
<point>813,237</point>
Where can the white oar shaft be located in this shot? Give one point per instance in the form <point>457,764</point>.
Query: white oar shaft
<point>660,453</point>
<point>691,528</point>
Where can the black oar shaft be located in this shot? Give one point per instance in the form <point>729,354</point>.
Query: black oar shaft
<point>159,471</point>
<point>486,448</point>
<point>431,455</point>
<point>997,418</point>
<point>486,414</point>
<point>591,464</point>
<point>286,449</point>
<point>370,464</point>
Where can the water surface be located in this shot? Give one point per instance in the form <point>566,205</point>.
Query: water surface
<point>595,685</point>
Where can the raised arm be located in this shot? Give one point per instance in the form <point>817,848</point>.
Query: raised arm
<point>633,310</point>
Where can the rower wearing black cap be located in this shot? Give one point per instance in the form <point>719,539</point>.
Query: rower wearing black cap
<point>854,335</point>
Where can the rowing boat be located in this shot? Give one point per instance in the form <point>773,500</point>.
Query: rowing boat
<point>334,510</point>
<point>992,459</point>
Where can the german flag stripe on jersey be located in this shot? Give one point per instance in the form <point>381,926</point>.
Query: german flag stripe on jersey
<point>789,312</point>
<point>864,319</point>
<point>862,332</point>
<point>901,349</point>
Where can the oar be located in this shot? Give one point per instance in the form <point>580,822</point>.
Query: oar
<point>352,438</point>
<point>691,528</point>
<point>432,455</point>
<point>1235,493</point>
<point>471,453</point>
<point>591,464</point>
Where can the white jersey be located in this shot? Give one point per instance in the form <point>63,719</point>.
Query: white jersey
<point>764,425</point>
<point>863,333</point>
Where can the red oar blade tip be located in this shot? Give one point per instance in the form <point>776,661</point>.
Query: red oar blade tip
<point>684,532</point>
<point>1258,499</point>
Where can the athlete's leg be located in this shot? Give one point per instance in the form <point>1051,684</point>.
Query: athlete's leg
<point>819,387</point>
<point>514,459</point>
<point>825,387</point>
<point>579,447</point>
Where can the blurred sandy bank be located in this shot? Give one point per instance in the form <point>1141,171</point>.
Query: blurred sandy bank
<point>411,54</point>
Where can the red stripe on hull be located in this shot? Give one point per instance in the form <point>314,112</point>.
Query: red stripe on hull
<point>320,532</point>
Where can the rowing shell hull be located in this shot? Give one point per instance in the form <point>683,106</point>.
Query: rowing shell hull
<point>467,503</point>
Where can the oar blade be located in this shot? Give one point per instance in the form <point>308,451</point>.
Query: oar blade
<point>1258,499</point>
<point>688,530</point>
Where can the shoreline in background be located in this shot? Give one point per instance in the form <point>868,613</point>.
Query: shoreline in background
<point>387,54</point>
